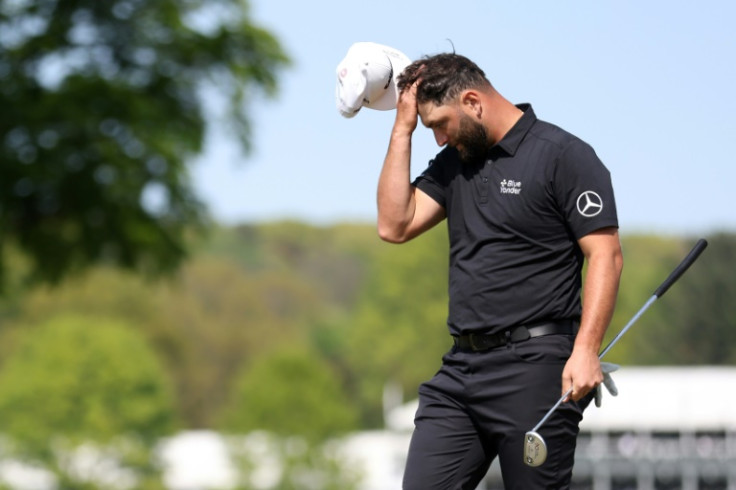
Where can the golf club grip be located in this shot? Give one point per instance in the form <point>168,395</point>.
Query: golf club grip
<point>680,270</point>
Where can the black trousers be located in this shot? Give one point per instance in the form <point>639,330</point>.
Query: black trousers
<point>478,407</point>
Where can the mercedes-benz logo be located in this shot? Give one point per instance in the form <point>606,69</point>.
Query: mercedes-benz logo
<point>589,204</point>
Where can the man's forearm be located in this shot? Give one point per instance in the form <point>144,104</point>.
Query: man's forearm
<point>602,251</point>
<point>599,299</point>
<point>395,192</point>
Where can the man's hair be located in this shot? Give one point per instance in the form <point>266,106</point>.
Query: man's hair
<point>442,77</point>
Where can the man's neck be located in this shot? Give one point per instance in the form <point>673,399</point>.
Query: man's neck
<point>502,116</point>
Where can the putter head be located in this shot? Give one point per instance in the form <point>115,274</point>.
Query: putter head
<point>535,449</point>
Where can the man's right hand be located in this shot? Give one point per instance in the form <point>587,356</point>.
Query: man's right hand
<point>406,110</point>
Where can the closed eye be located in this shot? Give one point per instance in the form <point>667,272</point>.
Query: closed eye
<point>439,125</point>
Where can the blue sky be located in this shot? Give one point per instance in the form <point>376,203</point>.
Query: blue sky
<point>649,84</point>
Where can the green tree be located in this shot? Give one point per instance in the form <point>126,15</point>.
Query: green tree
<point>398,329</point>
<point>102,109</point>
<point>700,310</point>
<point>210,318</point>
<point>77,383</point>
<point>648,260</point>
<point>291,392</point>
<point>692,322</point>
<point>297,399</point>
<point>224,318</point>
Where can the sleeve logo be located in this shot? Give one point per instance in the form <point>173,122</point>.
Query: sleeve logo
<point>589,204</point>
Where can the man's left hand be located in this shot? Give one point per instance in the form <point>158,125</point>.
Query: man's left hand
<point>582,373</point>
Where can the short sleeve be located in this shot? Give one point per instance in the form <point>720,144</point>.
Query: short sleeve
<point>433,181</point>
<point>584,190</point>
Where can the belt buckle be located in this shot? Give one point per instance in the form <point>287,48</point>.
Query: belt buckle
<point>519,334</point>
<point>471,339</point>
<point>481,342</point>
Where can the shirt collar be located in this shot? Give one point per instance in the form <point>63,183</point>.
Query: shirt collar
<point>513,138</point>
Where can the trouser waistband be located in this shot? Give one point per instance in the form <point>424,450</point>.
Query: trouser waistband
<point>481,341</point>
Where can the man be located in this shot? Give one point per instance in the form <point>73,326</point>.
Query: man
<point>526,204</point>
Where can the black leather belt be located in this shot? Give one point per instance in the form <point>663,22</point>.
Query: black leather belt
<point>483,341</point>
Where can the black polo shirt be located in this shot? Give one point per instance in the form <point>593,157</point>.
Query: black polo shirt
<point>514,220</point>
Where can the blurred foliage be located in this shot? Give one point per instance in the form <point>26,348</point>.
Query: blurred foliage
<point>702,310</point>
<point>103,105</point>
<point>203,322</point>
<point>694,323</point>
<point>80,393</point>
<point>266,319</point>
<point>290,393</point>
<point>648,260</point>
<point>397,331</point>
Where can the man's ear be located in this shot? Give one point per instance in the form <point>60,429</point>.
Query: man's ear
<point>471,103</point>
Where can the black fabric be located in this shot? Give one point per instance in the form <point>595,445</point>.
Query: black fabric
<point>514,220</point>
<point>480,405</point>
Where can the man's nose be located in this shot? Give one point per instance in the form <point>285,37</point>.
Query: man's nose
<point>440,137</point>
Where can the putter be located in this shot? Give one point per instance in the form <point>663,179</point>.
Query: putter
<point>535,449</point>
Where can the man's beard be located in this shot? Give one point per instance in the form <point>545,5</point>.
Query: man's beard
<point>472,141</point>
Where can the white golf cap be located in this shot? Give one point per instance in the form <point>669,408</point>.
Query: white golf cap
<point>366,77</point>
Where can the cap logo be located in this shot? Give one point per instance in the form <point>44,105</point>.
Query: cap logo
<point>390,77</point>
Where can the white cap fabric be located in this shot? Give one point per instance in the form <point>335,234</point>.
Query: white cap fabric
<point>366,77</point>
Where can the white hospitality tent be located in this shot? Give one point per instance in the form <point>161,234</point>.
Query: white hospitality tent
<point>667,399</point>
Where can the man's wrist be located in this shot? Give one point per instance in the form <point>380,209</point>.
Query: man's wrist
<point>587,346</point>
<point>402,131</point>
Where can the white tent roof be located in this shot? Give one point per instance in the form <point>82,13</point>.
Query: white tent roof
<point>698,398</point>
<point>658,399</point>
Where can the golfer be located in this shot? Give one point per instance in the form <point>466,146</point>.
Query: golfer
<point>526,204</point>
